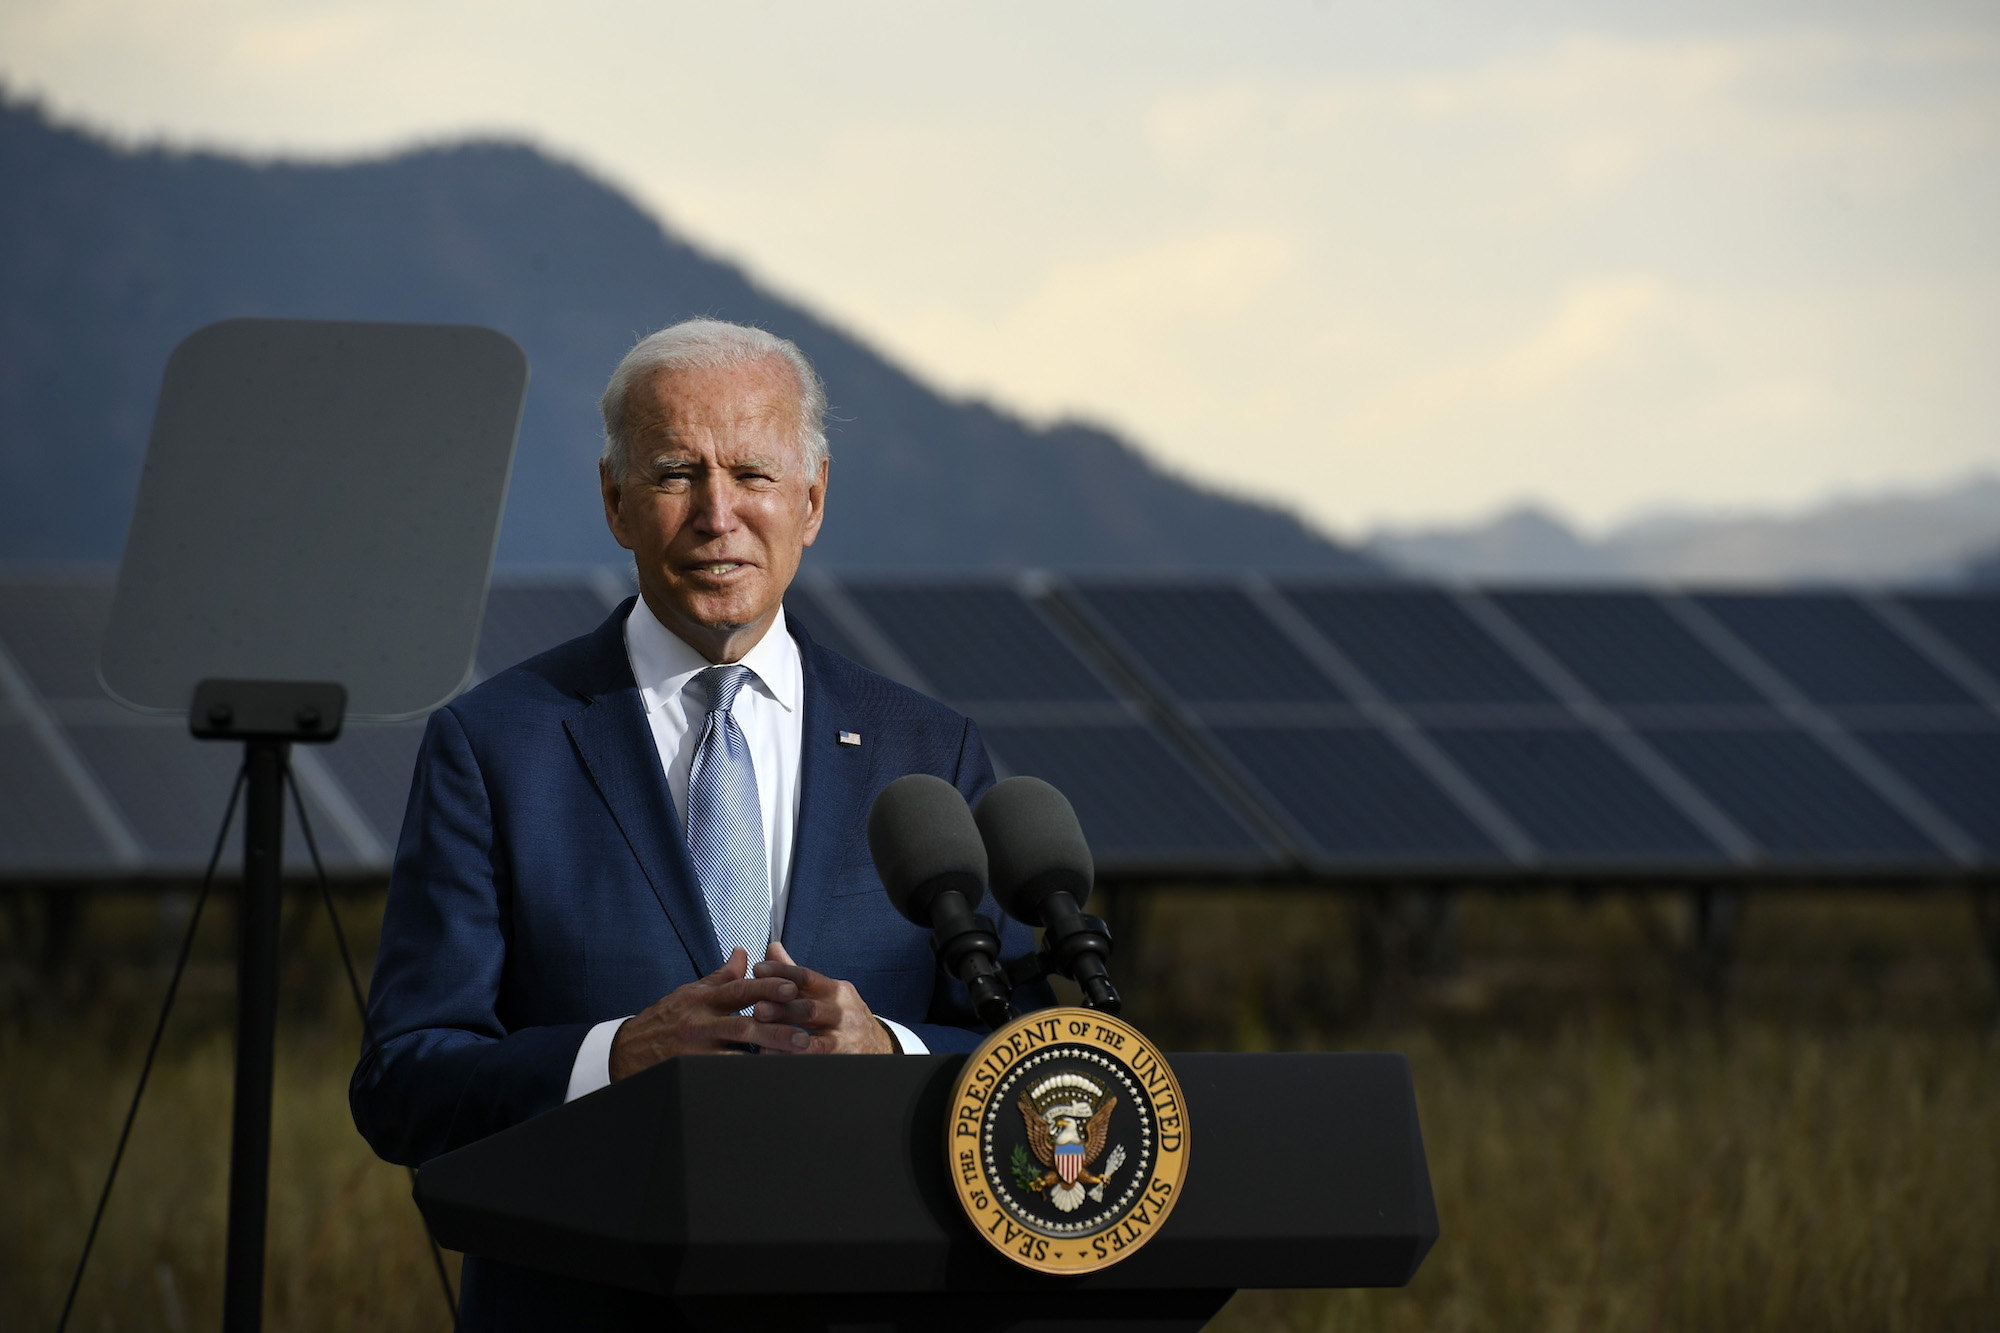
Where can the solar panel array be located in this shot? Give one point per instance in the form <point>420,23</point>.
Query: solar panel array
<point>1227,727</point>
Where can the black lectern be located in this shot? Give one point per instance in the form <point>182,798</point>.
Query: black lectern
<point>1305,1170</point>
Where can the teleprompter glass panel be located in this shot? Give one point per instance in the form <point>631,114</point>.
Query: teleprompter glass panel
<point>1626,649</point>
<point>1958,770</point>
<point>54,630</point>
<point>1208,644</point>
<point>1135,799</point>
<point>1833,649</point>
<point>1574,797</point>
<point>524,620</point>
<point>320,501</point>
<point>1971,623</point>
<point>1355,795</point>
<point>978,642</point>
<point>1416,645</point>
<point>1793,797</point>
<point>42,824</point>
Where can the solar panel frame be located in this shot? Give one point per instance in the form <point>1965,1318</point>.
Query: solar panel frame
<point>1885,761</point>
<point>525,619</point>
<point>1800,802</point>
<point>1244,658</point>
<point>1597,811</point>
<point>1375,797</point>
<point>1620,663</point>
<point>172,790</point>
<point>1831,649</point>
<point>375,763</point>
<point>1416,645</point>
<point>1958,771</point>
<point>1969,623</point>
<point>805,605</point>
<point>1039,682</point>
<point>974,641</point>
<point>44,828</point>
<point>1143,807</point>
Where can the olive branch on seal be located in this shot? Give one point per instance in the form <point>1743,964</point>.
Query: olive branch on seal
<point>1025,1177</point>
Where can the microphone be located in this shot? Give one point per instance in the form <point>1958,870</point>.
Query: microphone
<point>1042,874</point>
<point>929,854</point>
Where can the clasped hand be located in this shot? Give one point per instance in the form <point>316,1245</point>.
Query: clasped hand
<point>793,1011</point>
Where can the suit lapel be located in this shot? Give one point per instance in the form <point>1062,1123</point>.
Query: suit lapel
<point>615,742</point>
<point>832,784</point>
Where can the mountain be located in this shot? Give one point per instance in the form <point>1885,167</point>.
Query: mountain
<point>110,255</point>
<point>1936,536</point>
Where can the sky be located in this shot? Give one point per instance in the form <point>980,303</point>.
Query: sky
<point>1386,264</point>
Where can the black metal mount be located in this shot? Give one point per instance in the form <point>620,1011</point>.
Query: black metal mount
<point>967,945</point>
<point>267,717</point>
<point>308,711</point>
<point>1074,945</point>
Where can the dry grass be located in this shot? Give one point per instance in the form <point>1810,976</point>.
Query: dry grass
<point>1607,1150</point>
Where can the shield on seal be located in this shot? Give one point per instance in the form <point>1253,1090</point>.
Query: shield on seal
<point>1069,1161</point>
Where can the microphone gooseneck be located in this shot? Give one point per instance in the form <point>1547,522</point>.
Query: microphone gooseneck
<point>1041,873</point>
<point>932,862</point>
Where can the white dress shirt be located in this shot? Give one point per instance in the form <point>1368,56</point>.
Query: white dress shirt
<point>770,710</point>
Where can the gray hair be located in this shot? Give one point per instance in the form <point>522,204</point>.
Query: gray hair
<point>711,344</point>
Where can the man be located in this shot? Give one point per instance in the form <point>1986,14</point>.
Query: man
<point>650,840</point>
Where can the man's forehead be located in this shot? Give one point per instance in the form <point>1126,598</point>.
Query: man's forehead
<point>698,397</point>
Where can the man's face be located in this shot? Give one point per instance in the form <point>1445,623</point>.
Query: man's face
<point>716,505</point>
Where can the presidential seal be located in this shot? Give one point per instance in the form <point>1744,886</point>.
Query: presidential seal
<point>1068,1140</point>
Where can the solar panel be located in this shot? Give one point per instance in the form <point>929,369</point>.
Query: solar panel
<point>375,764</point>
<point>1833,649</point>
<point>1354,797</point>
<point>1972,624</point>
<point>804,607</point>
<point>1958,770</point>
<point>1136,799</point>
<point>976,642</point>
<point>525,620</point>
<point>1794,798</point>
<point>1416,645</point>
<point>1150,796</point>
<point>1207,644</point>
<point>1574,797</point>
<point>42,824</point>
<point>173,789</point>
<point>54,630</point>
<point>1626,649</point>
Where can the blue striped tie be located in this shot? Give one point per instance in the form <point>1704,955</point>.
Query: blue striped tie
<point>725,827</point>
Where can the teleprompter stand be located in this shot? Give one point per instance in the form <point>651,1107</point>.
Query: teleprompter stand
<point>320,503</point>
<point>803,1195</point>
<point>268,717</point>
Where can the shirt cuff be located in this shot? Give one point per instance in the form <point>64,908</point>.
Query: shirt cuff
<point>911,1043</point>
<point>592,1069</point>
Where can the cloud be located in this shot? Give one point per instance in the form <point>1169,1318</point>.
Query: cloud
<point>1377,270</point>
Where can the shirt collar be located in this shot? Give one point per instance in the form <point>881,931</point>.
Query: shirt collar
<point>663,663</point>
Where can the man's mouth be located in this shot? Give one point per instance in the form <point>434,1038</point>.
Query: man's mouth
<point>716,568</point>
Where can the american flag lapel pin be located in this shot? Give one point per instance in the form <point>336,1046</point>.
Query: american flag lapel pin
<point>850,738</point>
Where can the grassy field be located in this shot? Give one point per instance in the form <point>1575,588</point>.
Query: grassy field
<point>1610,1150</point>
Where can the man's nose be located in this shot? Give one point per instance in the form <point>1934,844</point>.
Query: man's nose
<point>714,505</point>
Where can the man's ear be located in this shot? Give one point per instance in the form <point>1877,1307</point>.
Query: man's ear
<point>614,512</point>
<point>816,503</point>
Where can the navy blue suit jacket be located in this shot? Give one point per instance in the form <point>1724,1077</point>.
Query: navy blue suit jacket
<point>542,885</point>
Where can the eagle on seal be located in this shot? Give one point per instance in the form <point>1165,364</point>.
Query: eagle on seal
<point>1065,1144</point>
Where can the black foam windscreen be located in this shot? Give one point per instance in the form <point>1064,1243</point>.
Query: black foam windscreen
<point>923,839</point>
<point>1034,846</point>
